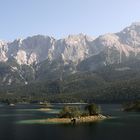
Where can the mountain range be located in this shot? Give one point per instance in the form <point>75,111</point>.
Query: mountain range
<point>44,60</point>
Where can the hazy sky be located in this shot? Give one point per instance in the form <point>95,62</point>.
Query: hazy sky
<point>58,18</point>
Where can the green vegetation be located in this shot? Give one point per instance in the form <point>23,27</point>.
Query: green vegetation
<point>107,84</point>
<point>75,111</point>
<point>93,109</point>
<point>70,112</point>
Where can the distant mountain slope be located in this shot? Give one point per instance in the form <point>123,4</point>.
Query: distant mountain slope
<point>78,65</point>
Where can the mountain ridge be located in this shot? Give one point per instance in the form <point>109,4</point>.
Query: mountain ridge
<point>73,48</point>
<point>43,58</point>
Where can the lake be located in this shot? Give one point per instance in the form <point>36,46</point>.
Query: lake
<point>123,125</point>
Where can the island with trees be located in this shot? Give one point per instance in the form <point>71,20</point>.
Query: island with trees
<point>73,115</point>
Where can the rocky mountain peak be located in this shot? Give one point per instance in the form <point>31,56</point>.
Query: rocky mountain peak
<point>131,35</point>
<point>72,52</point>
<point>135,24</point>
<point>74,48</point>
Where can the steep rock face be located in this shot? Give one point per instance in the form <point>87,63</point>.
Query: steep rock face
<point>114,48</point>
<point>43,54</point>
<point>31,50</point>
<point>74,48</point>
<point>131,35</point>
<point>38,48</point>
<point>3,51</point>
<point>130,38</point>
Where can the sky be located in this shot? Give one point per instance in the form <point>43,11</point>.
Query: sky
<point>59,18</point>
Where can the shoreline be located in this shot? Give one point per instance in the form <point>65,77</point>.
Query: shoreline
<point>85,119</point>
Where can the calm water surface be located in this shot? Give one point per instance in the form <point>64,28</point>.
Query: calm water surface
<point>124,126</point>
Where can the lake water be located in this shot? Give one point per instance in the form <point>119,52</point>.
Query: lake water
<point>124,126</point>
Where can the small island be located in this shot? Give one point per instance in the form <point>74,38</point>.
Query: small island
<point>73,115</point>
<point>132,106</point>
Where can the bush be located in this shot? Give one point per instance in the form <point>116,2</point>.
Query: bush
<point>69,112</point>
<point>93,109</point>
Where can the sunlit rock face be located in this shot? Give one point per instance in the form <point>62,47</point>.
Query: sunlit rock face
<point>25,60</point>
<point>74,48</point>
<point>38,48</point>
<point>3,51</point>
<point>31,50</point>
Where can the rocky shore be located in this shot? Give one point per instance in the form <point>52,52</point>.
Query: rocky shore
<point>77,120</point>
